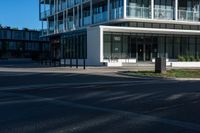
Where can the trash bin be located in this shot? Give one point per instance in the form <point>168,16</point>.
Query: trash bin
<point>160,65</point>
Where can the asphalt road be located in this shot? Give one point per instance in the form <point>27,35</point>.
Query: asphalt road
<point>85,103</point>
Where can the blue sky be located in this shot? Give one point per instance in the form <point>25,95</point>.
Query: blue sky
<point>20,13</point>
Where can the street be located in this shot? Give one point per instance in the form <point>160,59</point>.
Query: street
<point>36,102</point>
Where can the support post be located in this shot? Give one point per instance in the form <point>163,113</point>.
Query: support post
<point>125,8</point>
<point>176,9</point>
<point>91,10</point>
<point>108,9</point>
<point>152,9</point>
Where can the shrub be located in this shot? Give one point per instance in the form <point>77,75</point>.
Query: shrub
<point>197,58</point>
<point>187,58</point>
<point>192,58</point>
<point>181,58</point>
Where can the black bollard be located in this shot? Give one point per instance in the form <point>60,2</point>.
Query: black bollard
<point>76,63</point>
<point>83,63</point>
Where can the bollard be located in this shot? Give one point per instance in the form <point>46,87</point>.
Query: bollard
<point>83,63</point>
<point>76,63</point>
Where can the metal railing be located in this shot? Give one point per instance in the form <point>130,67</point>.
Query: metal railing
<point>185,15</point>
<point>167,14</point>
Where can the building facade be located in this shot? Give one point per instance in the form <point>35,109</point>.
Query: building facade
<point>115,32</point>
<point>25,43</point>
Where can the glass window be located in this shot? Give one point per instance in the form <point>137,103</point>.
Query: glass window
<point>192,46</point>
<point>184,46</point>
<point>169,47</point>
<point>107,46</point>
<point>177,47</point>
<point>116,46</point>
<point>161,46</point>
<point>125,47</point>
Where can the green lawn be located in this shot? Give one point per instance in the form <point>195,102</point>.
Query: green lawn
<point>180,73</point>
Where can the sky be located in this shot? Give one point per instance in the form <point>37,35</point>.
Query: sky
<point>20,13</point>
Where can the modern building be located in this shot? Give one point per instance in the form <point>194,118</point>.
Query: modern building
<point>24,43</point>
<point>115,32</point>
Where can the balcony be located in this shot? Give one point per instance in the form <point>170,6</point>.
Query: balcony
<point>165,14</point>
<point>101,17</point>
<point>47,13</point>
<point>60,26</point>
<point>184,15</point>
<point>116,13</point>
<point>87,20</point>
<point>138,12</point>
<point>70,25</point>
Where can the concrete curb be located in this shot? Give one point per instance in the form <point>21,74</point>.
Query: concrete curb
<point>187,79</point>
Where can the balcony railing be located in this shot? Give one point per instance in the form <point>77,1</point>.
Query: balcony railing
<point>101,17</point>
<point>185,15</point>
<point>87,20</point>
<point>70,25</point>
<point>166,14</point>
<point>60,26</point>
<point>116,13</point>
<point>47,13</point>
<point>138,12</point>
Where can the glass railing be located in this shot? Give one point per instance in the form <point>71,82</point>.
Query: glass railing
<point>101,17</point>
<point>166,14</point>
<point>60,26</point>
<point>87,20</point>
<point>70,25</point>
<point>138,12</point>
<point>47,13</point>
<point>185,15</point>
<point>116,13</point>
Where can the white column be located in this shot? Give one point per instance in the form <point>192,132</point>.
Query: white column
<point>176,9</point>
<point>125,8</point>
<point>91,11</point>
<point>108,9</point>
<point>152,9</point>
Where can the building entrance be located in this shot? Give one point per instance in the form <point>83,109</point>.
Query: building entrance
<point>144,52</point>
<point>144,49</point>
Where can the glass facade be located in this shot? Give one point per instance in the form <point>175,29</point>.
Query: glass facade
<point>74,45</point>
<point>22,44</point>
<point>59,16</point>
<point>145,47</point>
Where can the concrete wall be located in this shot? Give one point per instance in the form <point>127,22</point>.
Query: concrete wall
<point>94,46</point>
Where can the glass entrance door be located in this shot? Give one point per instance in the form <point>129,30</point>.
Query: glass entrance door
<point>147,52</point>
<point>140,50</point>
